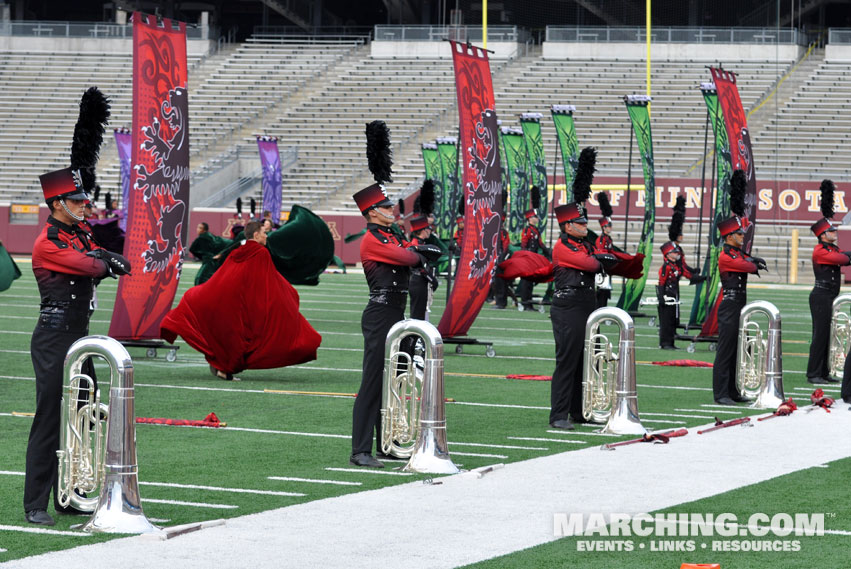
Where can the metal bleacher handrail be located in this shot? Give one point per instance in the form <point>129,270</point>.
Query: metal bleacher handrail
<point>440,33</point>
<point>836,36</point>
<point>606,34</point>
<point>59,29</point>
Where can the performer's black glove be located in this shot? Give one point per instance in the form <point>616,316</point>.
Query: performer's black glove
<point>116,264</point>
<point>760,263</point>
<point>432,280</point>
<point>430,252</point>
<point>607,260</point>
<point>697,279</point>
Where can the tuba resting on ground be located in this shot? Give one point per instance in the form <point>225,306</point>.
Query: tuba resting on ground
<point>608,379</point>
<point>86,464</point>
<point>760,359</point>
<point>840,335</point>
<point>413,415</point>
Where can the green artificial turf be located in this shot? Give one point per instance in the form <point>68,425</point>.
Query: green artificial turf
<point>270,433</point>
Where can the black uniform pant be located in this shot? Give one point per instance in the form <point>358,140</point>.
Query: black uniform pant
<point>418,291</point>
<point>667,323</point>
<point>569,312</point>
<point>821,309</point>
<point>498,289</point>
<point>48,349</point>
<point>524,290</point>
<point>603,296</point>
<point>846,380</point>
<point>376,322</point>
<point>724,369</point>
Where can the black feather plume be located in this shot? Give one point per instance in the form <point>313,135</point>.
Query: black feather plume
<point>584,174</point>
<point>418,208</point>
<point>378,153</point>
<point>427,197</point>
<point>88,135</point>
<point>675,229</point>
<point>97,195</point>
<point>108,200</point>
<point>252,206</point>
<point>536,197</point>
<point>401,207</point>
<point>605,205</point>
<point>738,187</point>
<point>827,189</point>
<point>239,206</point>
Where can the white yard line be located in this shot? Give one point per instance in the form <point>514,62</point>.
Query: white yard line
<point>476,518</point>
<point>314,481</point>
<point>368,471</point>
<point>190,504</point>
<point>32,529</point>
<point>540,439</point>
<point>221,489</point>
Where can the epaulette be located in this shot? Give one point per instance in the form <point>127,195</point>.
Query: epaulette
<point>381,236</point>
<point>53,235</point>
<point>567,242</point>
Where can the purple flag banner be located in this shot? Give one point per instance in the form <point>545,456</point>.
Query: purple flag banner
<point>124,143</point>
<point>270,160</point>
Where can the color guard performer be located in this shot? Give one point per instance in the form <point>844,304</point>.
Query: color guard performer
<point>531,241</point>
<point>575,265</point>
<point>734,265</point>
<point>827,258</point>
<point>668,293</point>
<point>423,281</point>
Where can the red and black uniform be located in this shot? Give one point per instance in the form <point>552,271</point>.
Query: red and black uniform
<point>498,285</point>
<point>530,240</point>
<point>734,266</point>
<point>421,279</point>
<point>688,272</point>
<point>66,279</point>
<point>386,265</point>
<point>669,286</point>
<point>604,244</point>
<point>827,258</point>
<point>572,304</point>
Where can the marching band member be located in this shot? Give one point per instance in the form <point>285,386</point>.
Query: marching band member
<point>675,234</point>
<point>575,265</point>
<point>827,258</point>
<point>629,265</point>
<point>734,265</point>
<point>68,265</point>
<point>669,288</point>
<point>531,240</point>
<point>423,281</point>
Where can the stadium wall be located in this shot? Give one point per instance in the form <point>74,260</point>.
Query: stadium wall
<point>89,45</point>
<point>635,51</point>
<point>435,49</point>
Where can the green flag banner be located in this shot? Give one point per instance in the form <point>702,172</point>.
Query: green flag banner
<point>447,149</point>
<point>431,160</point>
<point>518,176</point>
<point>568,144</point>
<point>530,123</point>
<point>639,115</point>
<point>706,291</point>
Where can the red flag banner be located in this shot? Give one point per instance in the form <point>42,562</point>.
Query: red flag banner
<point>158,206</point>
<point>482,188</point>
<point>741,156</point>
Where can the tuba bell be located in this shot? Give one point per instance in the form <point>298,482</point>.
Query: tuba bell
<point>840,334</point>
<point>413,409</point>
<point>608,379</point>
<point>87,465</point>
<point>760,359</point>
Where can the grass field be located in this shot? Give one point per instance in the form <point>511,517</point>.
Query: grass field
<point>283,448</point>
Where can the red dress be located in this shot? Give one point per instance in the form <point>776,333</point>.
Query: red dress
<point>245,317</point>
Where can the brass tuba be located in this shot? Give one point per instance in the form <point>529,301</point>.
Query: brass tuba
<point>413,409</point>
<point>840,335</point>
<point>760,359</point>
<point>86,464</point>
<point>608,379</point>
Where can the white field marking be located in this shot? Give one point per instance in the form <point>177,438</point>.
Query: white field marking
<point>676,387</point>
<point>717,412</point>
<point>15,352</point>
<point>479,455</point>
<point>16,332</point>
<point>590,433</point>
<point>678,416</point>
<point>193,504</point>
<point>220,489</point>
<point>27,529</point>
<point>314,481</point>
<point>713,406</point>
<point>2,550</point>
<point>545,440</point>
<point>159,520</point>
<point>500,405</point>
<point>679,424</point>
<point>822,466</point>
<point>823,388</point>
<point>497,446</point>
<point>12,473</point>
<point>272,432</point>
<point>368,471</point>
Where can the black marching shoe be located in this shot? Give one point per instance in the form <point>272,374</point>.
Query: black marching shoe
<point>564,424</point>
<point>365,459</point>
<point>742,399</point>
<point>725,401</point>
<point>847,400</point>
<point>669,347</point>
<point>40,517</point>
<point>832,379</point>
<point>817,380</point>
<point>381,456</point>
